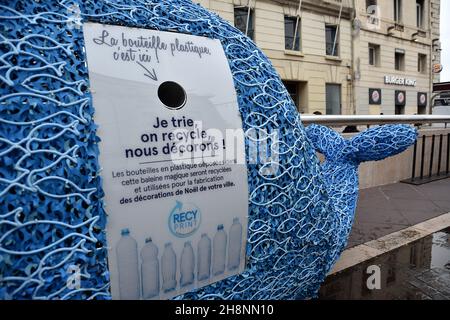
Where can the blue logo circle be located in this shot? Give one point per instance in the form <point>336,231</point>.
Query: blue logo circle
<point>184,219</point>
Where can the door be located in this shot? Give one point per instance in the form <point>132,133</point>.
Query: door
<point>333,96</point>
<point>400,101</point>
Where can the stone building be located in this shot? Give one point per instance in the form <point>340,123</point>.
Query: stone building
<point>345,56</point>
<point>397,44</point>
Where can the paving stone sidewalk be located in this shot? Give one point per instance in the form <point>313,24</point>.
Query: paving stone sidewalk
<point>390,208</point>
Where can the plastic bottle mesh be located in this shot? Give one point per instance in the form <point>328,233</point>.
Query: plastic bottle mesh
<point>51,210</point>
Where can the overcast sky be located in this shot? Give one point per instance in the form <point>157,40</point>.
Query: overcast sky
<point>445,39</point>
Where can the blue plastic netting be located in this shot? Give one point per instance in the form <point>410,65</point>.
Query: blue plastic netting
<point>51,211</point>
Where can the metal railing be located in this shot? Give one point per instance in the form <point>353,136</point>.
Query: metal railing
<point>356,120</point>
<point>443,163</point>
<point>439,140</point>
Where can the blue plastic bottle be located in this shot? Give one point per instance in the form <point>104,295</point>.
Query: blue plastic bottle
<point>220,251</point>
<point>127,264</point>
<point>187,265</point>
<point>204,257</point>
<point>169,268</point>
<point>149,270</point>
<point>235,245</point>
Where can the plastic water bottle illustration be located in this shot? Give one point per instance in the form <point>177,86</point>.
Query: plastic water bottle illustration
<point>149,269</point>
<point>169,268</point>
<point>127,263</point>
<point>204,257</point>
<point>234,245</point>
<point>187,265</point>
<point>220,247</point>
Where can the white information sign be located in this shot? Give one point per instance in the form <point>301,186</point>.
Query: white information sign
<point>177,206</point>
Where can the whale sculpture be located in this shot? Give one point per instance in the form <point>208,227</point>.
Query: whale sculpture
<point>51,210</point>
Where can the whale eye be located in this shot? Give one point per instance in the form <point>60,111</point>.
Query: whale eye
<point>172,95</point>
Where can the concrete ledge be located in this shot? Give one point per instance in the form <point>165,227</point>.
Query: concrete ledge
<point>435,224</point>
<point>354,256</point>
<point>397,239</point>
<point>372,249</point>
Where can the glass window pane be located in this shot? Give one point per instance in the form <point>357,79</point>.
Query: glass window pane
<point>240,21</point>
<point>289,33</point>
<point>330,35</point>
<point>292,88</point>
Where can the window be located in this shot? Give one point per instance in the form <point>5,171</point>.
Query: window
<point>332,41</point>
<point>399,109</point>
<point>422,102</point>
<point>391,272</point>
<point>365,291</point>
<point>422,63</point>
<point>421,110</point>
<point>370,4</point>
<point>292,89</point>
<point>398,11</point>
<point>400,101</point>
<point>374,55</point>
<point>298,90</point>
<point>443,100</point>
<point>292,33</point>
<point>240,21</point>
<point>333,98</point>
<point>419,13</point>
<point>372,12</point>
<point>399,59</point>
<point>413,256</point>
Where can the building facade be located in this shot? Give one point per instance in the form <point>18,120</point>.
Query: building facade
<point>396,45</point>
<point>340,56</point>
<point>303,56</point>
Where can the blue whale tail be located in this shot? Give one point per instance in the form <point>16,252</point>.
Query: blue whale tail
<point>340,168</point>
